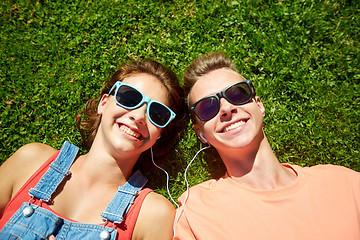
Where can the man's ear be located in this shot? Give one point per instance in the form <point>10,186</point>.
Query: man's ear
<point>102,103</point>
<point>260,105</point>
<point>199,134</point>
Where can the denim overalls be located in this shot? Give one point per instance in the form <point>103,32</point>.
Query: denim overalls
<point>34,222</point>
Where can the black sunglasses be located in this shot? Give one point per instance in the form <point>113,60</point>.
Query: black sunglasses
<point>129,97</point>
<point>237,94</point>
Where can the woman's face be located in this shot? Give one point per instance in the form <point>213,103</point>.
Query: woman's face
<point>234,126</point>
<point>131,130</point>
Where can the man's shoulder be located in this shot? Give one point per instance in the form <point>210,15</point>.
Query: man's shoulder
<point>329,173</point>
<point>206,187</point>
<point>327,168</point>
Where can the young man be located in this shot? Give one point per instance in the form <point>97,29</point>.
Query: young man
<point>258,197</point>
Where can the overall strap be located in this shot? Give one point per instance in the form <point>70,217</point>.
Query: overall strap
<point>58,170</point>
<point>124,198</point>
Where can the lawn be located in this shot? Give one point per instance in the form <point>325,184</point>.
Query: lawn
<point>302,56</point>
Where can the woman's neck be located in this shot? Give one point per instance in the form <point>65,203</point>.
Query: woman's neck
<point>106,167</point>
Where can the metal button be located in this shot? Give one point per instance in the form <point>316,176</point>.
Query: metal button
<point>28,211</point>
<point>105,235</point>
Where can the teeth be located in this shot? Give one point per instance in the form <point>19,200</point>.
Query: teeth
<point>128,131</point>
<point>234,125</point>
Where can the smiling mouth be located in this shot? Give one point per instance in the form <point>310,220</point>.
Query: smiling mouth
<point>234,125</point>
<point>129,132</point>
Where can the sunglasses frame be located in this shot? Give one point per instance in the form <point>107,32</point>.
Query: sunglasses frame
<point>144,99</point>
<point>221,94</point>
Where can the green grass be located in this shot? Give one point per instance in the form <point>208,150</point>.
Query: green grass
<point>303,57</point>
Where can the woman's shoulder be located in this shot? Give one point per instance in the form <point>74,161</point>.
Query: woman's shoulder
<point>29,155</point>
<point>32,154</point>
<point>156,206</point>
<point>24,162</point>
<point>155,209</point>
<point>157,202</point>
<point>15,171</point>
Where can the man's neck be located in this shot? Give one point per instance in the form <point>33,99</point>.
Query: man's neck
<point>257,167</point>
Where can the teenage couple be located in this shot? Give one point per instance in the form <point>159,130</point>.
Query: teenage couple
<point>47,193</point>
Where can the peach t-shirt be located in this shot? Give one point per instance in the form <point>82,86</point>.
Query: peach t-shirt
<point>324,203</point>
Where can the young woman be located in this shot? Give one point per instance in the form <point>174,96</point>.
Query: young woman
<point>258,197</point>
<point>99,195</point>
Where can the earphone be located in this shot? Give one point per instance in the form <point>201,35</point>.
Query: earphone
<point>202,137</point>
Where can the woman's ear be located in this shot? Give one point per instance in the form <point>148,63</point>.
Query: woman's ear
<point>260,105</point>
<point>102,103</point>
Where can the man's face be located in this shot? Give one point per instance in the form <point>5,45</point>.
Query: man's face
<point>235,126</point>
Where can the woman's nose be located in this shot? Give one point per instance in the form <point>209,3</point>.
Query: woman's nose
<point>138,114</point>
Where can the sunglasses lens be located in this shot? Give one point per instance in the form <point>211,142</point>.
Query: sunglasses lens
<point>238,94</point>
<point>128,97</point>
<point>207,108</point>
<point>159,114</point>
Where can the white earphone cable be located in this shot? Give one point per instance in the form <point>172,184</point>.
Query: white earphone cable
<point>181,208</point>
<point>167,177</point>
<point>187,183</point>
